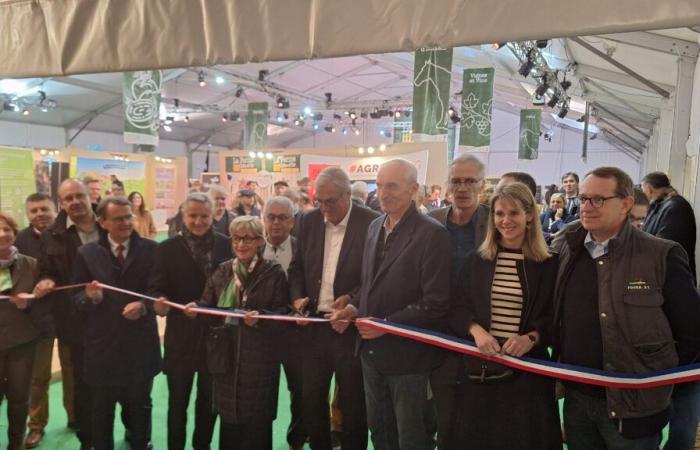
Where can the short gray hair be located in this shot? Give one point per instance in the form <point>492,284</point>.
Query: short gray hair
<point>111,200</point>
<point>248,224</point>
<point>335,176</point>
<point>410,170</point>
<point>469,159</point>
<point>292,194</point>
<point>279,200</point>
<point>198,197</point>
<point>216,189</point>
<point>359,189</point>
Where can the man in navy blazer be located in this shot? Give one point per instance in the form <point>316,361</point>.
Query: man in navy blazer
<point>405,279</point>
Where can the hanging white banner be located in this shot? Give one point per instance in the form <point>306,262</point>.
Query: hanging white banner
<point>362,168</point>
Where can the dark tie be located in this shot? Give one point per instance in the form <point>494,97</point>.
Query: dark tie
<point>120,254</point>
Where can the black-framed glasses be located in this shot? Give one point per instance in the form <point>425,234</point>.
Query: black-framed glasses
<point>596,202</point>
<point>468,182</point>
<point>244,239</point>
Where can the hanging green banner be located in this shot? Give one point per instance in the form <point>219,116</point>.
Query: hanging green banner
<point>530,120</point>
<point>141,92</point>
<point>256,126</point>
<point>477,101</point>
<point>432,70</point>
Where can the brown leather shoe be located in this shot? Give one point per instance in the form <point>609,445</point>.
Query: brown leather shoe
<point>34,438</point>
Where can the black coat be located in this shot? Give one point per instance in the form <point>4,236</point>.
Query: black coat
<point>472,298</point>
<point>176,276</point>
<point>118,351</point>
<point>306,269</point>
<point>18,327</point>
<point>411,286</point>
<point>247,392</point>
<point>28,243</point>
<point>671,217</point>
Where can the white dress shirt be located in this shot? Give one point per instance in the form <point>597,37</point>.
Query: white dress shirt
<point>282,254</point>
<point>331,254</point>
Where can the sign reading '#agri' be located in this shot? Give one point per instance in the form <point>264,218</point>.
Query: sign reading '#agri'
<point>362,168</point>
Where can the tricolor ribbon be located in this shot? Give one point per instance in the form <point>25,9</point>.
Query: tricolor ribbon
<point>579,374</point>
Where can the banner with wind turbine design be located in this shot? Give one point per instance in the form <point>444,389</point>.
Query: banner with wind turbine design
<point>477,103</point>
<point>431,94</point>
<point>530,121</point>
<point>256,126</point>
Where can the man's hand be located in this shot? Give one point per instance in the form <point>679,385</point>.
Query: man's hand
<point>518,345</point>
<point>366,332</point>
<point>341,302</point>
<point>299,306</point>
<point>94,292</point>
<point>21,301</point>
<point>188,310</point>
<point>484,341</point>
<point>43,287</point>
<point>250,319</point>
<point>341,318</point>
<point>160,307</point>
<point>134,311</point>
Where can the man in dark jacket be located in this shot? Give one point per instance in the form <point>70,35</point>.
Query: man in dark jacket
<point>324,275</point>
<point>41,214</point>
<point>122,349</point>
<point>405,279</point>
<point>182,265</point>
<point>74,227</point>
<point>624,302</point>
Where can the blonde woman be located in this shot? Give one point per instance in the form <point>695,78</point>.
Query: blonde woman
<point>504,303</point>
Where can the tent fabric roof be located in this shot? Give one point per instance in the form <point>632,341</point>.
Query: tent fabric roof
<point>62,37</point>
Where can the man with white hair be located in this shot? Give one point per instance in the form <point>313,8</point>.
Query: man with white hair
<point>359,193</point>
<point>293,195</point>
<point>405,279</point>
<point>324,276</point>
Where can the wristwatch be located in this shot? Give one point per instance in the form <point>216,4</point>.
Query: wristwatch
<point>532,338</point>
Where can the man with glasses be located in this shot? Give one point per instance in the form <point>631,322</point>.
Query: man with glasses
<point>75,226</point>
<point>325,273</point>
<point>466,220</point>
<point>624,302</point>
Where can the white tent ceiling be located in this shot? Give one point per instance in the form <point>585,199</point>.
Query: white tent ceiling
<point>364,82</point>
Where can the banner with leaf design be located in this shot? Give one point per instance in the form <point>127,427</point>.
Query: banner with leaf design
<point>530,121</point>
<point>431,93</point>
<point>256,126</point>
<point>477,104</point>
<point>141,92</point>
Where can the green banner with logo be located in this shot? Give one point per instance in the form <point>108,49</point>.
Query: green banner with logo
<point>432,70</point>
<point>16,182</point>
<point>141,92</point>
<point>530,120</point>
<point>477,101</point>
<point>256,126</point>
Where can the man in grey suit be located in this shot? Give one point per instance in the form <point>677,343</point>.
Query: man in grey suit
<point>405,279</point>
<point>466,221</point>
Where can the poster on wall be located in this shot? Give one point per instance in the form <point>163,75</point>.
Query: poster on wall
<point>16,181</point>
<point>248,165</point>
<point>165,190</point>
<point>359,168</point>
<point>131,173</point>
<point>210,179</point>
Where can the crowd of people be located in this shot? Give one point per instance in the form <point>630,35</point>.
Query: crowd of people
<point>601,276</point>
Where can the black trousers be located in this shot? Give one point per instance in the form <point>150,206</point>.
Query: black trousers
<point>179,390</point>
<point>327,352</point>
<point>149,416</point>
<point>245,437</point>
<point>81,396</point>
<point>134,399</point>
<point>15,378</point>
<point>293,365</point>
<point>445,387</point>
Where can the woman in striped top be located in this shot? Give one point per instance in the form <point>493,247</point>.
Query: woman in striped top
<point>504,303</point>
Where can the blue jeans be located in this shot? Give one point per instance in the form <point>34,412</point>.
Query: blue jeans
<point>685,404</point>
<point>397,406</point>
<point>588,426</point>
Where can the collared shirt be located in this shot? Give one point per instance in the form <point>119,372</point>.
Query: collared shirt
<point>85,237</point>
<point>596,249</point>
<point>463,240</point>
<point>114,246</point>
<point>281,254</point>
<point>331,254</point>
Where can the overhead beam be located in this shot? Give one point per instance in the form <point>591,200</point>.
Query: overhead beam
<point>653,86</point>
<point>622,141</point>
<point>622,132</point>
<point>621,119</point>
<point>655,42</point>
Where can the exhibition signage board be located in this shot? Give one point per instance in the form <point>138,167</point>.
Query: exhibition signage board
<point>131,173</point>
<point>363,168</point>
<point>141,92</point>
<point>477,103</point>
<point>530,120</point>
<point>256,126</point>
<point>16,181</point>
<point>248,165</point>
<point>431,93</point>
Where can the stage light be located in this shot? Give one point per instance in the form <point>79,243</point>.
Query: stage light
<point>397,114</point>
<point>239,92</point>
<point>353,116</point>
<point>337,116</point>
<point>382,147</point>
<point>318,116</point>
<point>456,119</point>
<point>316,126</point>
<point>280,117</point>
<point>451,112</point>
<point>268,155</point>
<point>186,119</point>
<point>262,74</point>
<point>224,118</point>
<point>169,120</point>
<point>261,155</point>
<point>357,132</point>
<point>307,110</point>
<point>542,87</point>
<point>344,131</point>
<point>329,99</point>
<point>25,112</point>
<point>235,116</point>
<point>553,100</point>
<point>219,80</point>
<point>528,66</point>
<point>42,151</point>
<point>251,154</point>
<point>566,84</point>
<point>361,150</point>
<point>370,150</point>
<point>498,45</point>
<point>200,78</point>
<point>167,128</point>
<point>563,111</point>
<point>542,43</point>
<point>282,102</point>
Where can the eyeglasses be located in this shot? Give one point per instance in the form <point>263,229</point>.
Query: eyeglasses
<point>468,182</point>
<point>244,239</point>
<point>280,217</point>
<point>596,202</point>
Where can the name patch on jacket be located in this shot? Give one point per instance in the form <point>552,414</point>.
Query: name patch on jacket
<point>638,285</point>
